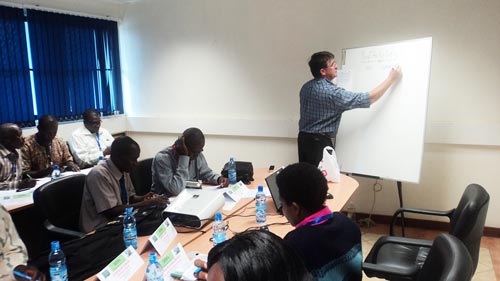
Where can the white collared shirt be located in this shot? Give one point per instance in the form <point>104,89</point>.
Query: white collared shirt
<point>85,146</point>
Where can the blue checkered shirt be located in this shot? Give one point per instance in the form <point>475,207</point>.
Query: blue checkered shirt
<point>322,104</point>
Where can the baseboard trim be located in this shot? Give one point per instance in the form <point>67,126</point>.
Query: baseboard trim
<point>427,224</point>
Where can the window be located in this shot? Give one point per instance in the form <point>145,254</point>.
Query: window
<point>16,100</point>
<point>72,64</point>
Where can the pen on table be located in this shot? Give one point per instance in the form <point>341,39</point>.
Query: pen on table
<point>22,275</point>
<point>176,275</point>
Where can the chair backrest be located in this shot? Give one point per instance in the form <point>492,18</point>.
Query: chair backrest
<point>448,260</point>
<point>467,220</point>
<point>142,176</point>
<point>60,200</point>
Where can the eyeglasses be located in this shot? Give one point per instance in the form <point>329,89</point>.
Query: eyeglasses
<point>334,64</point>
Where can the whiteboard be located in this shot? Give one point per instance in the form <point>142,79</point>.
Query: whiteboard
<point>386,140</point>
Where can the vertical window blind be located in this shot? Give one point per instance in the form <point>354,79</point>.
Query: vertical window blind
<point>16,100</point>
<point>74,65</point>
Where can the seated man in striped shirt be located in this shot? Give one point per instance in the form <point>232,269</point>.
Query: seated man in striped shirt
<point>11,141</point>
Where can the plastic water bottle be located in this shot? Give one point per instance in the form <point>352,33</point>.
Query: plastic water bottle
<point>219,228</point>
<point>57,262</point>
<point>55,172</point>
<point>231,171</point>
<point>129,230</point>
<point>260,205</point>
<point>154,272</point>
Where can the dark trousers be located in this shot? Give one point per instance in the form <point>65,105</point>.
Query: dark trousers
<point>311,147</point>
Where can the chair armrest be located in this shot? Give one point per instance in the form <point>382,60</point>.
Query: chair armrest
<point>400,241</point>
<point>401,211</point>
<point>68,232</point>
<point>388,270</point>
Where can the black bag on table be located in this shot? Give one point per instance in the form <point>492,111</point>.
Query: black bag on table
<point>149,218</point>
<point>88,255</point>
<point>244,171</point>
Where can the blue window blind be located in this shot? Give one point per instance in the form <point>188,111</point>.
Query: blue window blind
<point>16,102</point>
<point>75,64</point>
<point>57,64</point>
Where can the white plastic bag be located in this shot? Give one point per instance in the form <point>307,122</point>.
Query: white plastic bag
<point>329,166</point>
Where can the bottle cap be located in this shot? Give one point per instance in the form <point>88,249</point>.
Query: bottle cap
<point>128,210</point>
<point>231,159</point>
<point>54,245</point>
<point>260,188</point>
<point>218,216</point>
<point>56,166</point>
<point>152,257</point>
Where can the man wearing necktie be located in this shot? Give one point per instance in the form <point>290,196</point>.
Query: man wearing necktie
<point>108,188</point>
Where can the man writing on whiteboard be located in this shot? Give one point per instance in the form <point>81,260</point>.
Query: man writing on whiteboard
<point>322,104</point>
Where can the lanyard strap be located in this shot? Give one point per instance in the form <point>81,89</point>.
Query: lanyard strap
<point>320,219</point>
<point>97,139</point>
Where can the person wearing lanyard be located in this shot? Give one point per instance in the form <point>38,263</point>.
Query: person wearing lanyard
<point>108,188</point>
<point>181,162</point>
<point>44,149</point>
<point>90,142</point>
<point>329,243</point>
<point>11,141</point>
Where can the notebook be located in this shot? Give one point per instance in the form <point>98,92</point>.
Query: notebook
<point>273,189</point>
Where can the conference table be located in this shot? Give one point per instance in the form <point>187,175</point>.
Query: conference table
<point>242,217</point>
<point>15,201</point>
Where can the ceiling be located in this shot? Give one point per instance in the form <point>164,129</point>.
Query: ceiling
<point>114,9</point>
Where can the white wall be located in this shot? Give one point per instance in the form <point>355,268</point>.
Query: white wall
<point>217,64</point>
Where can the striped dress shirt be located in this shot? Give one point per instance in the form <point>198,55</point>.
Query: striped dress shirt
<point>10,168</point>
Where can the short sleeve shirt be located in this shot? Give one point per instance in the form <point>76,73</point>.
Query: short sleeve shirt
<point>36,158</point>
<point>101,193</point>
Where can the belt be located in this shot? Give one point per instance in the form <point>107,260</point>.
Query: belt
<point>319,134</point>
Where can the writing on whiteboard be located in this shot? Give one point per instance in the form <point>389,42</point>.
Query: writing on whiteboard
<point>379,55</point>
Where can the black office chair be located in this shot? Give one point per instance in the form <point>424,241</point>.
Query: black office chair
<point>142,176</point>
<point>448,260</point>
<point>466,222</point>
<point>59,200</point>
